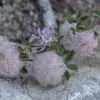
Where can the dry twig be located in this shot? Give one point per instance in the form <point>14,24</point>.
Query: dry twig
<point>48,14</point>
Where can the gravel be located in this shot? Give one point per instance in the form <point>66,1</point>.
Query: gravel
<point>18,17</point>
<point>22,17</point>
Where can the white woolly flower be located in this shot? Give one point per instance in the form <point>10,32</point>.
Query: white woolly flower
<point>10,64</point>
<point>48,68</point>
<point>83,43</point>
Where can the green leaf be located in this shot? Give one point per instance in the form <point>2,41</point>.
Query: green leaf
<point>23,40</point>
<point>69,56</point>
<point>60,37</point>
<point>72,29</point>
<point>24,56</point>
<point>86,26</point>
<point>51,47</point>
<point>79,13</point>
<point>73,20</point>
<point>97,13</point>
<point>23,70</point>
<point>93,24</point>
<point>30,49</point>
<point>33,42</point>
<point>20,48</point>
<point>96,34</point>
<point>81,28</point>
<point>73,67</point>
<point>67,15</point>
<point>60,50</point>
<point>48,48</point>
<point>67,75</point>
<point>24,59</point>
<point>79,24</point>
<point>83,18</point>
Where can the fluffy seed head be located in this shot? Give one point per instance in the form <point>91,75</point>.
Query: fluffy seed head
<point>48,68</point>
<point>10,64</point>
<point>84,42</point>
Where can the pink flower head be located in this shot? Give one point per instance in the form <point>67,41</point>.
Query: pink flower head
<point>48,68</point>
<point>10,63</point>
<point>44,37</point>
<point>84,43</point>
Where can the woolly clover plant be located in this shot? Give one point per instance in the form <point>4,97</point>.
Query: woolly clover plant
<point>84,42</point>
<point>45,41</point>
<point>82,37</point>
<point>48,66</point>
<point>10,64</point>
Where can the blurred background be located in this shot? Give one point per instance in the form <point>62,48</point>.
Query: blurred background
<point>19,17</point>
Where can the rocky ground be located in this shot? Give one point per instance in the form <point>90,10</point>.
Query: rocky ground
<point>19,17</point>
<point>22,17</point>
<point>83,85</point>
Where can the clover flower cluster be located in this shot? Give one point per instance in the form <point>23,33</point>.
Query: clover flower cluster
<point>10,64</point>
<point>44,38</point>
<point>84,43</point>
<point>48,67</point>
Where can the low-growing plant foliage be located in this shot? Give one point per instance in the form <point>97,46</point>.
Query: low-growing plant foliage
<point>48,63</point>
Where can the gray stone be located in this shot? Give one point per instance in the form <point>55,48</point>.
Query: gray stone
<point>83,85</point>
